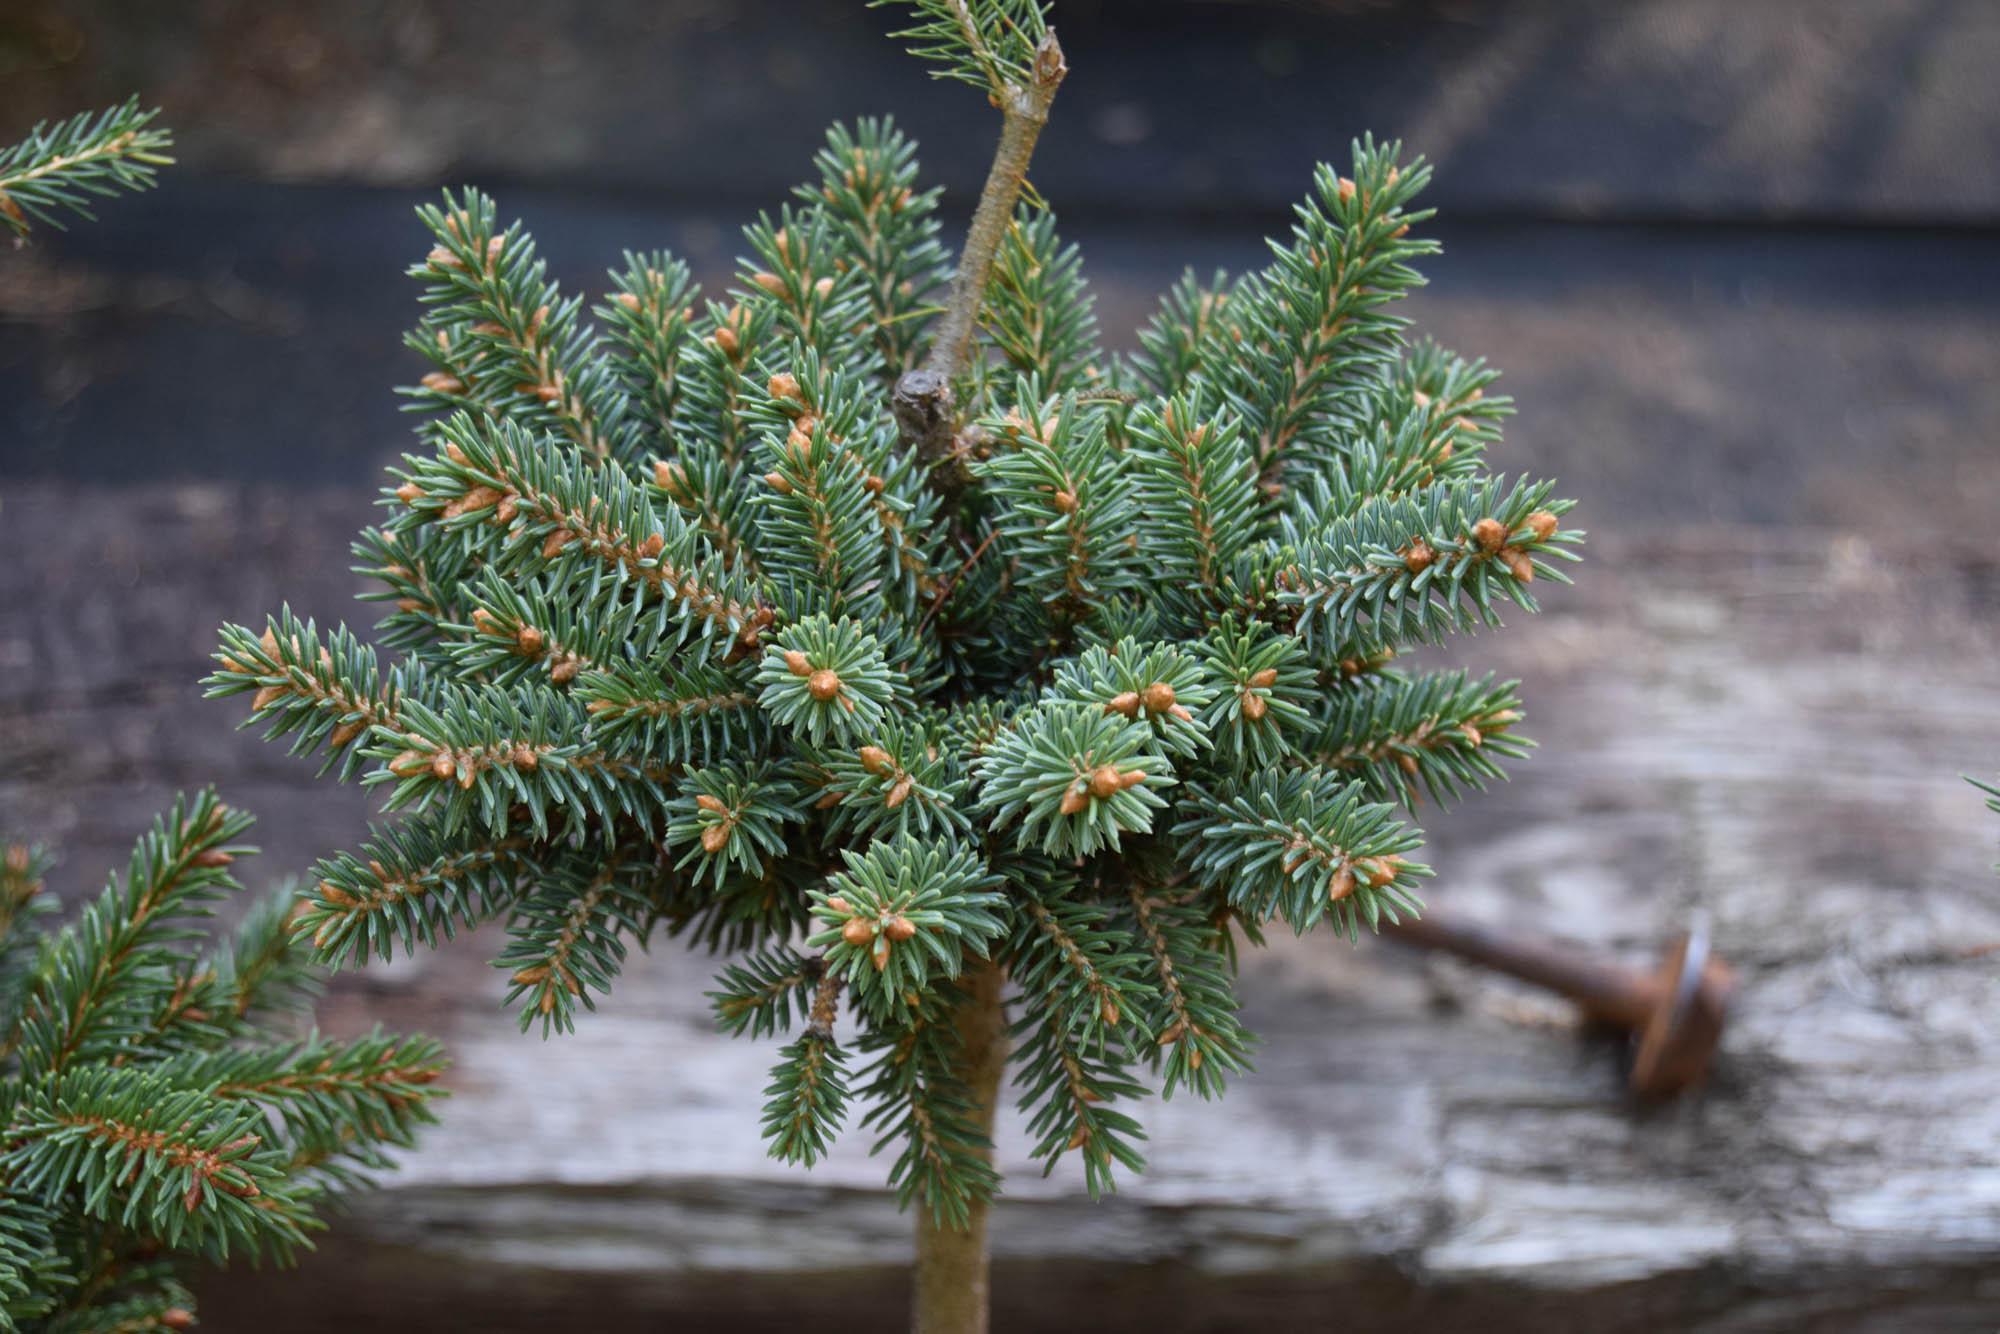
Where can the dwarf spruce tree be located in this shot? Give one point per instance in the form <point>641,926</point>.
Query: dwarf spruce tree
<point>976,693</point>
<point>158,1102</point>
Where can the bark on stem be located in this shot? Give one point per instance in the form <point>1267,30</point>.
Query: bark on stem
<point>1025,116</point>
<point>952,1288</point>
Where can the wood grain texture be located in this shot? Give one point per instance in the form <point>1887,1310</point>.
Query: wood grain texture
<point>1765,723</point>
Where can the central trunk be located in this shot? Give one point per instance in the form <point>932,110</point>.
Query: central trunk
<point>952,1288</point>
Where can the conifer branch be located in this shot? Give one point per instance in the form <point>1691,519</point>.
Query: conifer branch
<point>75,1009</point>
<point>150,1112</point>
<point>1192,1025</point>
<point>61,166</point>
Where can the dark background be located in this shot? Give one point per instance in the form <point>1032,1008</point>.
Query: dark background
<point>1741,266</point>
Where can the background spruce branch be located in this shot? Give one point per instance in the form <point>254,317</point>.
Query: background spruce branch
<point>162,1097</point>
<point>61,167</point>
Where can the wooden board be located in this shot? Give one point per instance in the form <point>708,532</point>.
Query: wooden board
<point>1768,725</point>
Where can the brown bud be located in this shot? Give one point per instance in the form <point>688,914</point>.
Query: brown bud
<point>881,958</point>
<point>898,794</point>
<point>345,733</point>
<point>1194,1057</point>
<point>177,1317</point>
<point>1345,191</point>
<point>1159,697</point>
<point>1127,704</point>
<point>213,857</point>
<point>409,493</point>
<point>564,671</point>
<point>823,684</point>
<point>715,838</point>
<point>799,664</point>
<point>725,340</point>
<point>823,288</point>
<point>409,764</point>
<point>553,544</point>
<point>652,546</point>
<point>1379,870</point>
<point>442,767</point>
<point>777,482</point>
<point>1131,778</point>
<point>876,760</point>
<point>443,383</point>
<point>629,301</point>
<point>528,639</point>
<point>525,757</point>
<point>713,805</point>
<point>1180,714</point>
<point>266,697</point>
<point>670,478</point>
<point>1173,1034</point>
<point>858,931</point>
<point>1518,563</point>
<point>1265,679</point>
<point>1104,781</point>
<point>1472,736</point>
<point>478,498</point>
<point>1109,1009</point>
<point>839,905</point>
<point>493,249</point>
<point>1254,706</point>
<point>1542,524</point>
<point>1419,557</point>
<point>1064,501</point>
<point>783,385</point>
<point>1074,800</point>
<point>1490,533</point>
<point>770,282</point>
<point>1080,1138</point>
<point>899,927</point>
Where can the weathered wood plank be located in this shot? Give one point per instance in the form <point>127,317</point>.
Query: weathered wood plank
<point>1762,723</point>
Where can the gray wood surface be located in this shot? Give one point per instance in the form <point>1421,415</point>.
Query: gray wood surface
<point>1767,724</point>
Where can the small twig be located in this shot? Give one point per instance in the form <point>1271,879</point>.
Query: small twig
<point>825,996</point>
<point>952,582</point>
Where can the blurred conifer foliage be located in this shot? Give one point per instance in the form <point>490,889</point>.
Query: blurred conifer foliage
<point>61,167</point>
<point>160,1098</point>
